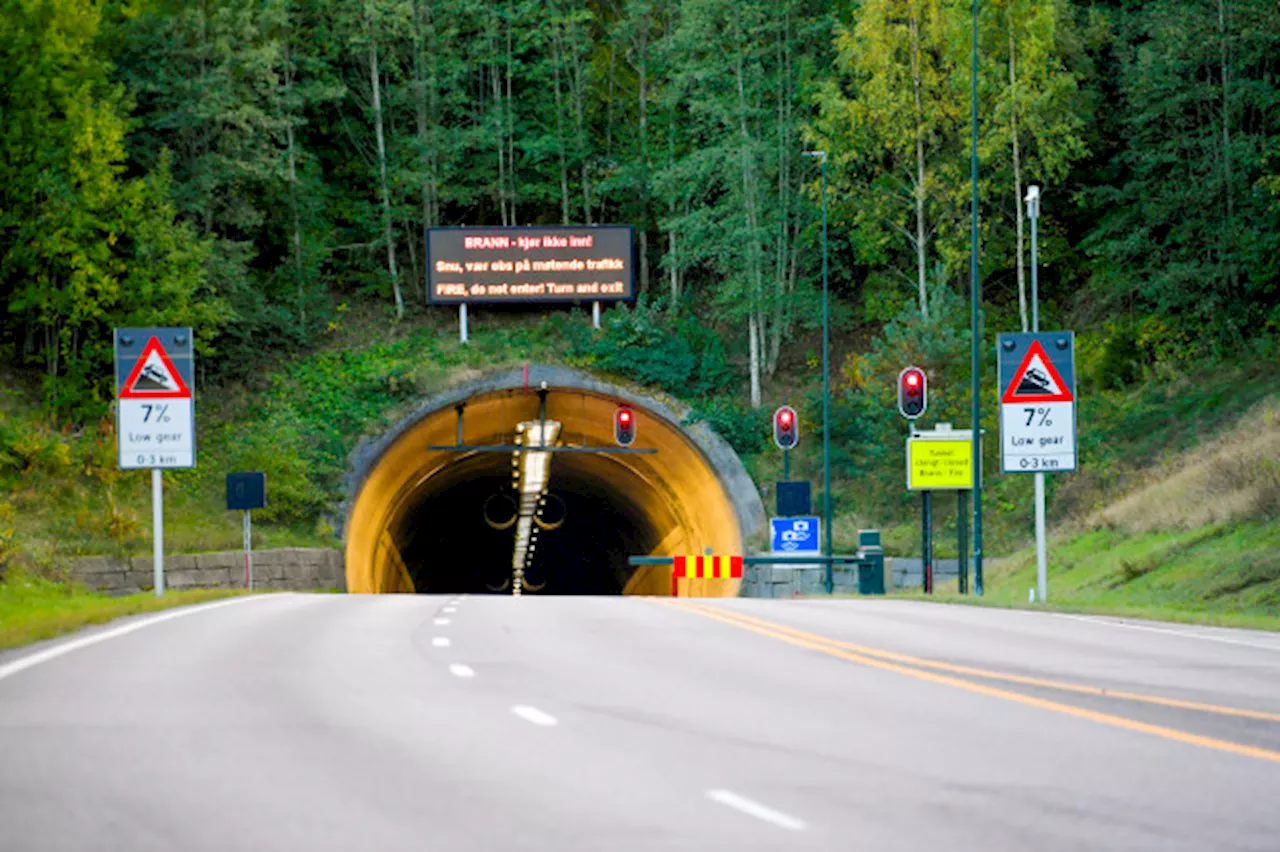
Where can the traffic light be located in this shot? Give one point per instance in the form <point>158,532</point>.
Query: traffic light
<point>913,392</point>
<point>624,426</point>
<point>786,428</point>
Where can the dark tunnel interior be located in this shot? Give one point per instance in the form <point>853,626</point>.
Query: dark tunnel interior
<point>592,525</point>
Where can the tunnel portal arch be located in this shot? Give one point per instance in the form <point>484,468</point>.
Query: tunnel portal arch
<point>416,517</point>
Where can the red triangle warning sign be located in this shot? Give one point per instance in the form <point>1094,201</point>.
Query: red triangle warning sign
<point>154,376</point>
<point>1037,380</point>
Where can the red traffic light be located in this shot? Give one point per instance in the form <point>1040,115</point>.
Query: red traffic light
<point>786,428</point>
<point>624,426</point>
<point>913,392</point>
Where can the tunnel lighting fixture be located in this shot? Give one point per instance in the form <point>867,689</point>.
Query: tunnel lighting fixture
<point>533,469</point>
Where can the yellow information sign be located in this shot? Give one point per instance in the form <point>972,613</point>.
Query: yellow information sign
<point>937,463</point>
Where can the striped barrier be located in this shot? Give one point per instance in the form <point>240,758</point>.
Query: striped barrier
<point>714,567</point>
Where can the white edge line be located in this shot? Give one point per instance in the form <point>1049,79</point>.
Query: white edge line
<point>459,670</point>
<point>440,642</point>
<point>1185,634</point>
<point>534,716</point>
<point>23,663</point>
<point>752,808</point>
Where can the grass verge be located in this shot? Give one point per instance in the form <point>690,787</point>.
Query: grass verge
<point>1225,575</point>
<point>33,608</point>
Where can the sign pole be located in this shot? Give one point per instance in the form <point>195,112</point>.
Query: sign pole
<point>786,465</point>
<point>962,536</point>
<point>595,314</point>
<point>462,323</point>
<point>926,540</point>
<point>157,526</point>
<point>1042,557</point>
<point>248,550</point>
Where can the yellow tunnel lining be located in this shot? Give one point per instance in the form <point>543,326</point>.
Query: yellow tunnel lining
<point>677,490</point>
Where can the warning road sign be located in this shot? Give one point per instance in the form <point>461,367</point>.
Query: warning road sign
<point>154,376</point>
<point>155,408</point>
<point>1036,380</point>
<point>1038,402</point>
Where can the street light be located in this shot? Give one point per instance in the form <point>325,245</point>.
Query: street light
<point>826,378</point>
<point>975,297</point>
<point>1033,213</point>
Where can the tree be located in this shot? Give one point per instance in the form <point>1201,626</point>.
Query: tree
<point>84,247</point>
<point>892,119</point>
<point>1182,230</point>
<point>1035,126</point>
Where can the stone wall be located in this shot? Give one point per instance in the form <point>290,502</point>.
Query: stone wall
<point>289,568</point>
<point>791,581</point>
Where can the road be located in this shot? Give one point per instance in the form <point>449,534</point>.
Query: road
<point>327,722</point>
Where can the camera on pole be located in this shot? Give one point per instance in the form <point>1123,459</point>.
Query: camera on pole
<point>913,392</point>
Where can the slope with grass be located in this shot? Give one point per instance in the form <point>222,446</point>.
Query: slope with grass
<point>1197,539</point>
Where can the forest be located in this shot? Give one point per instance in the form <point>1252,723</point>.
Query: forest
<point>251,167</point>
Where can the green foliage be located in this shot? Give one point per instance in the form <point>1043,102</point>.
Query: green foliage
<point>1183,230</point>
<point>646,344</point>
<point>34,607</point>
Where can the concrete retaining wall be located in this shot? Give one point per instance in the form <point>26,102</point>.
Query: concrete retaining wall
<point>908,572</point>
<point>290,568</point>
<point>774,581</point>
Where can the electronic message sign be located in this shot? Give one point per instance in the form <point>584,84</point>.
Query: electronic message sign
<point>530,264</point>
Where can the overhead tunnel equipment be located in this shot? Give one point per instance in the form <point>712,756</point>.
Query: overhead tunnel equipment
<point>428,517</point>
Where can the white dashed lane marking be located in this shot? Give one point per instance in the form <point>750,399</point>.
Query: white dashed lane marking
<point>440,642</point>
<point>752,808</point>
<point>441,622</point>
<point>534,716</point>
<point>459,670</point>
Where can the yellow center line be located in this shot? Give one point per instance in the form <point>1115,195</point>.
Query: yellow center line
<point>826,647</point>
<point>988,674</point>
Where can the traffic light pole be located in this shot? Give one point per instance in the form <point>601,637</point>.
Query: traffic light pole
<point>786,465</point>
<point>826,377</point>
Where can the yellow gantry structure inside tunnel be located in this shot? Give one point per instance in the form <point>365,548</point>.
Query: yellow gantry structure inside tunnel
<point>416,521</point>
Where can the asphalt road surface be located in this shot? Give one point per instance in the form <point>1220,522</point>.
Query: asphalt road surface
<point>300,722</point>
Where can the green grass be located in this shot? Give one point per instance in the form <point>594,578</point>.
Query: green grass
<point>33,608</point>
<point>1226,574</point>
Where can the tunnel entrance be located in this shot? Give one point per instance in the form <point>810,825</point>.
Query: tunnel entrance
<point>426,517</point>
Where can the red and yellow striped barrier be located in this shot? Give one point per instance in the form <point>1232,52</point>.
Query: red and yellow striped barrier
<point>716,567</point>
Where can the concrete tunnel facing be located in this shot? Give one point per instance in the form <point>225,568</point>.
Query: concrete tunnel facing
<point>442,521</point>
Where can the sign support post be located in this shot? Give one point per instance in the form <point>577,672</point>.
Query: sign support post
<point>926,543</point>
<point>962,540</point>
<point>157,529</point>
<point>462,322</point>
<point>248,550</point>
<point>595,314</point>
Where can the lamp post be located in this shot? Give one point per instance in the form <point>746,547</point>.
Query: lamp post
<point>1033,213</point>
<point>975,296</point>
<point>826,379</point>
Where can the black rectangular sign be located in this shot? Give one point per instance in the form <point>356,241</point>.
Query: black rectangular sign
<point>533,264</point>
<point>246,491</point>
